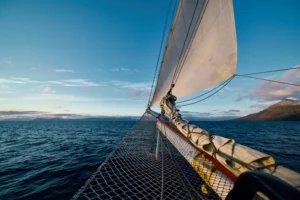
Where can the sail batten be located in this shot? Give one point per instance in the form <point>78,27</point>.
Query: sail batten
<point>201,49</point>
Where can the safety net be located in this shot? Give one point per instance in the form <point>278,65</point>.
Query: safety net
<point>145,165</point>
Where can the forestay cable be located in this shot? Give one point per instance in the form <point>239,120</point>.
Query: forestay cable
<point>160,48</point>
<point>184,44</point>
<point>277,70</point>
<point>247,75</point>
<point>268,80</point>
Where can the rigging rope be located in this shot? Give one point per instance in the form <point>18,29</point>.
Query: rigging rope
<point>160,48</point>
<point>188,49</point>
<point>229,80</point>
<point>187,34</point>
<point>277,70</point>
<point>268,80</point>
<point>132,170</point>
<point>206,92</point>
<point>247,75</point>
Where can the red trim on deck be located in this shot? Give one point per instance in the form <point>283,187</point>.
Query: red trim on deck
<point>218,165</point>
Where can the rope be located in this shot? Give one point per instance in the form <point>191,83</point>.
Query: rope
<point>162,172</point>
<point>185,39</point>
<point>205,92</point>
<point>247,75</point>
<point>211,94</point>
<point>170,33</point>
<point>188,49</point>
<point>132,171</point>
<point>160,48</point>
<point>178,169</point>
<point>278,70</point>
<point>268,80</point>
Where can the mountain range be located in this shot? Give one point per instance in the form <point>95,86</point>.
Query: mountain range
<point>285,110</point>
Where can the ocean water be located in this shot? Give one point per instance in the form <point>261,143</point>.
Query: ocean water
<point>52,160</point>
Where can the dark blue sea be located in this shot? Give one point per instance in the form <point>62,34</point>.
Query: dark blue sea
<point>52,160</point>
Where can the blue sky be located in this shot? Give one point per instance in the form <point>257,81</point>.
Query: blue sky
<point>98,57</point>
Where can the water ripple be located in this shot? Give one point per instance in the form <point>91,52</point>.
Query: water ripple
<point>52,160</point>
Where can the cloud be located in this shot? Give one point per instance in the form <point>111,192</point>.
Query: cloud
<point>67,97</point>
<point>57,97</point>
<point>195,114</point>
<point>32,68</point>
<point>270,91</point>
<point>132,85</point>
<point>29,115</point>
<point>77,83</point>
<point>48,90</point>
<point>64,71</point>
<point>17,80</point>
<point>124,70</point>
<point>136,89</point>
<point>18,112</point>
<point>67,83</point>
<point>8,62</point>
<point>6,113</point>
<point>232,110</point>
<point>137,93</point>
<point>260,106</point>
<point>213,114</point>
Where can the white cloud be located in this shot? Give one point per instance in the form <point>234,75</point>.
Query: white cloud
<point>57,97</point>
<point>132,85</point>
<point>48,90</point>
<point>67,97</point>
<point>136,93</point>
<point>17,80</point>
<point>68,82</point>
<point>270,91</point>
<point>8,62</point>
<point>77,83</point>
<point>63,70</point>
<point>124,70</point>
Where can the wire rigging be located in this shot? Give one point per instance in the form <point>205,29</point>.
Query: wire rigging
<point>185,39</point>
<point>224,82</point>
<point>209,95</point>
<point>188,49</point>
<point>268,80</point>
<point>277,70</point>
<point>183,54</point>
<point>247,75</point>
<point>160,48</point>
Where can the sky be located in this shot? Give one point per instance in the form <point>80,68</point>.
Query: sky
<point>97,57</point>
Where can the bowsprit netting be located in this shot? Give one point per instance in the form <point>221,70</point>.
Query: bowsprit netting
<point>141,168</point>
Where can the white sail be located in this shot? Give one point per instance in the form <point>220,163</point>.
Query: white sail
<point>201,49</point>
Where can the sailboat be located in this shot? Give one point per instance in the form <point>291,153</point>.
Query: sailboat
<point>164,156</point>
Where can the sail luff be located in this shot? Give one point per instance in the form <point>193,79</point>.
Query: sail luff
<point>208,54</point>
